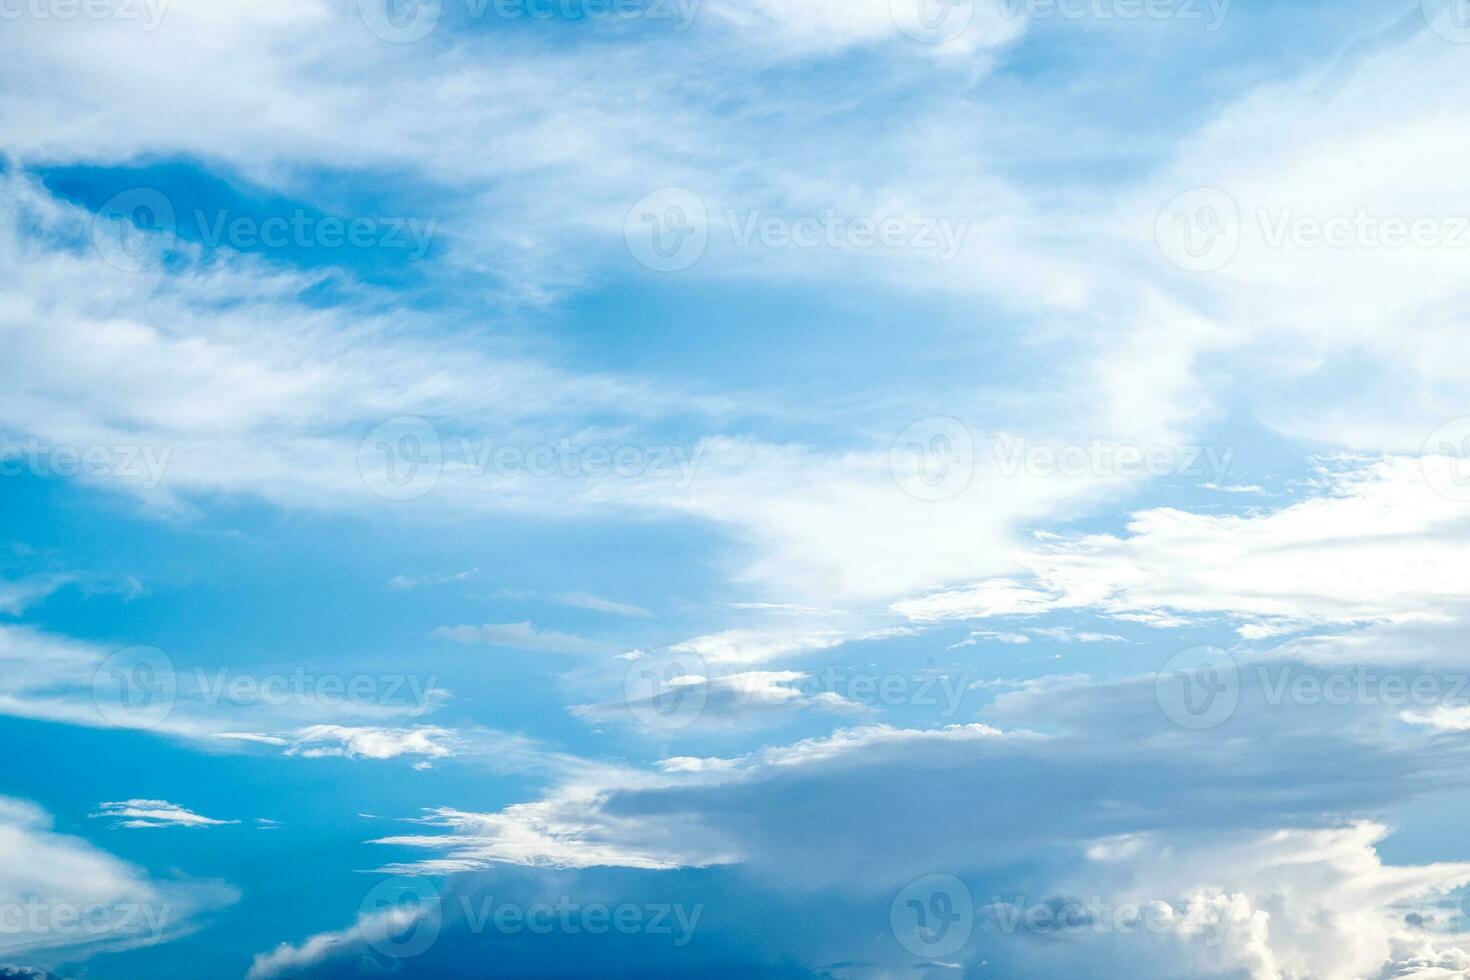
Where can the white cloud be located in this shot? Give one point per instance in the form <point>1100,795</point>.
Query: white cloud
<point>1378,544</point>
<point>140,814</point>
<point>519,636</point>
<point>65,896</point>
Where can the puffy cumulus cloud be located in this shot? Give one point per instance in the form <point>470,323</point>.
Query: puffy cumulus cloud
<point>140,814</point>
<point>340,741</point>
<point>1204,891</point>
<point>60,897</point>
<point>1378,543</point>
<point>1082,801</point>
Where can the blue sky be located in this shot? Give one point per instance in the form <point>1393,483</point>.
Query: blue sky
<point>837,488</point>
